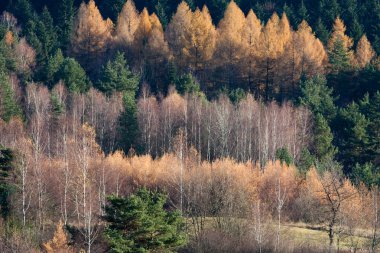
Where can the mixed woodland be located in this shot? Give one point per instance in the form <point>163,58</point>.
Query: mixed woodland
<point>194,126</point>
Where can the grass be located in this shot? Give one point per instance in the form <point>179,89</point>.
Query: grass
<point>301,234</point>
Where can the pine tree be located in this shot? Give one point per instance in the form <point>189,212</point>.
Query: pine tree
<point>6,187</point>
<point>128,126</point>
<point>161,13</point>
<point>339,47</point>
<point>321,31</point>
<point>317,96</point>
<point>73,75</point>
<point>329,9</point>
<point>8,105</point>
<point>351,126</point>
<point>323,148</point>
<point>127,23</point>
<point>371,109</point>
<point>47,35</point>
<point>111,9</point>
<point>302,13</point>
<point>52,67</point>
<point>116,76</point>
<point>364,52</point>
<point>65,23</point>
<point>139,223</point>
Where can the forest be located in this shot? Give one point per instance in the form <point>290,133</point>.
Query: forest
<point>193,126</point>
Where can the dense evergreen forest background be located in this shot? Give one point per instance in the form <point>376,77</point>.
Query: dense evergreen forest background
<point>267,111</point>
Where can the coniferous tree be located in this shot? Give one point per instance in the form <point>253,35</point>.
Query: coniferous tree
<point>73,76</point>
<point>371,109</point>
<point>251,38</point>
<point>128,126</point>
<point>91,36</point>
<point>321,31</point>
<point>339,46</point>
<point>351,127</point>
<point>52,67</point>
<point>318,97</point>
<point>116,76</point>
<point>178,35</point>
<point>364,52</point>
<point>8,105</point>
<point>6,187</point>
<point>139,223</point>
<point>65,23</point>
<point>302,13</point>
<point>323,148</point>
<point>230,46</point>
<point>127,23</point>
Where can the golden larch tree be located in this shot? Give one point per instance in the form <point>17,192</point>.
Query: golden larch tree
<point>230,46</point>
<point>149,45</point>
<point>157,49</point>
<point>92,34</point>
<point>270,50</point>
<point>127,23</point>
<point>203,35</point>
<point>310,55</point>
<point>178,34</point>
<point>59,242</point>
<point>251,37</point>
<point>364,52</point>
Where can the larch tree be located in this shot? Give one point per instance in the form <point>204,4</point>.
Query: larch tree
<point>150,47</point>
<point>251,36</point>
<point>282,66</point>
<point>203,36</point>
<point>157,51</point>
<point>364,52</point>
<point>270,49</point>
<point>140,42</point>
<point>230,46</point>
<point>178,34</point>
<point>310,54</point>
<point>92,35</point>
<point>127,23</point>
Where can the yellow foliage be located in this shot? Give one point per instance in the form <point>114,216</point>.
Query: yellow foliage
<point>92,33</point>
<point>59,242</point>
<point>9,38</point>
<point>127,23</point>
<point>364,52</point>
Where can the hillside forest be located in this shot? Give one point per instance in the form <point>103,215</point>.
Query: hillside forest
<point>193,126</point>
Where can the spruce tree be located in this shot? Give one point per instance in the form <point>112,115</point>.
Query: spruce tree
<point>318,97</point>
<point>351,130</point>
<point>8,105</point>
<point>322,144</point>
<point>74,76</point>
<point>116,76</point>
<point>65,22</point>
<point>339,57</point>
<point>128,126</point>
<point>140,223</point>
<point>6,188</point>
<point>321,31</point>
